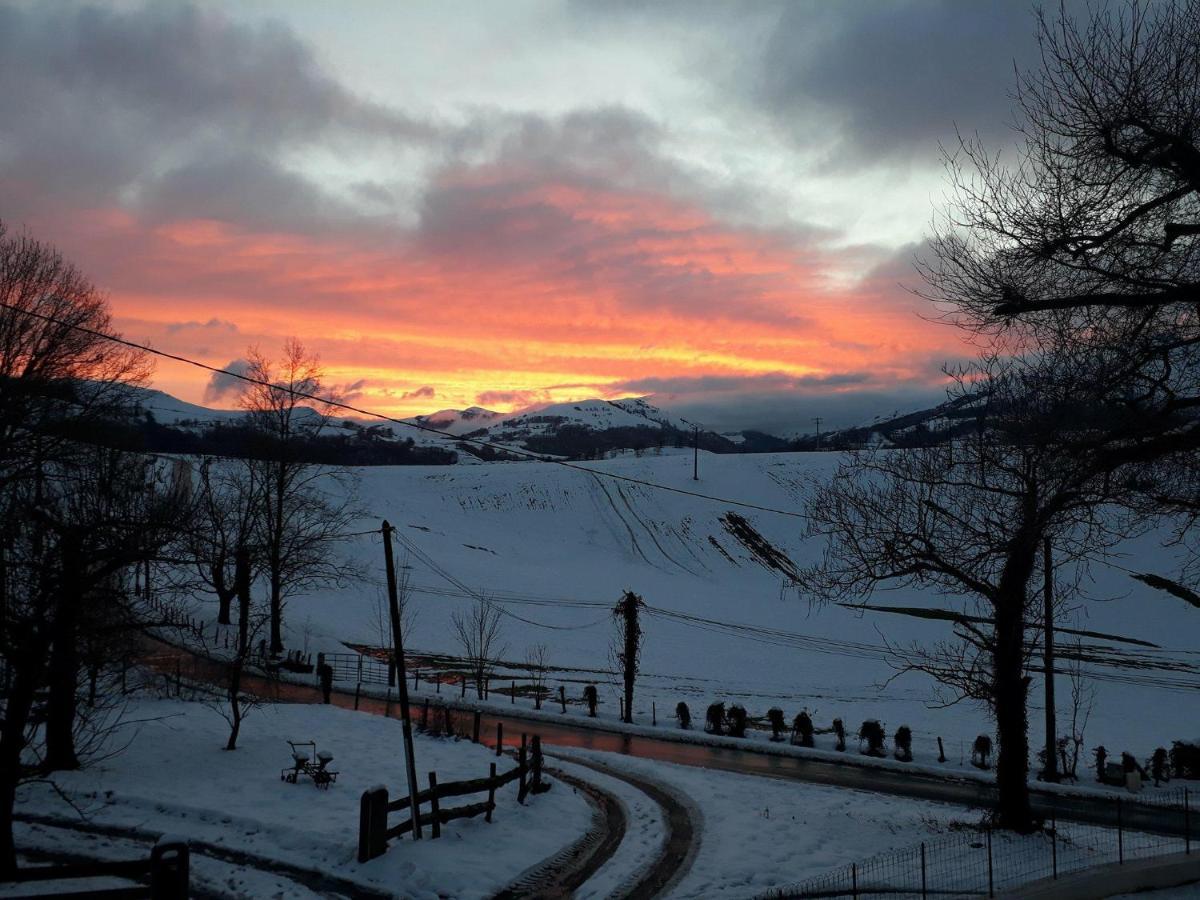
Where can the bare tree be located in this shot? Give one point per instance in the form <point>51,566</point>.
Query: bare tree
<point>1091,235</point>
<point>967,519</point>
<point>536,658</point>
<point>305,507</point>
<point>228,501</point>
<point>478,633</point>
<point>627,644</point>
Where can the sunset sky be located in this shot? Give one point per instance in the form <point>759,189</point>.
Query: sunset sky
<point>507,203</point>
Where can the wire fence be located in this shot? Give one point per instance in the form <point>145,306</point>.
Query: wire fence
<point>985,862</point>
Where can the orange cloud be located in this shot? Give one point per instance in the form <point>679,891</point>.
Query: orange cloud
<point>507,289</point>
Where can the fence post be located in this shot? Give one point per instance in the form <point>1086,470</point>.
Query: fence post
<point>854,880</point>
<point>499,737</point>
<point>1054,846</point>
<point>537,764</point>
<point>1120,835</point>
<point>357,694</point>
<point>522,787</point>
<point>653,713</point>
<point>387,706</point>
<point>562,698</point>
<point>169,876</point>
<point>437,684</point>
<point>434,806</point>
<point>359,669</point>
<point>463,683</point>
<point>491,793</point>
<point>1187,823</point>
<point>475,728</point>
<point>372,824</point>
<point>991,876</point>
<point>513,700</point>
<point>924,893</point>
<point>449,724</point>
<point>416,679</point>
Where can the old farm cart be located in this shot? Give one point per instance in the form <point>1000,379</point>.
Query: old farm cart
<point>374,831</point>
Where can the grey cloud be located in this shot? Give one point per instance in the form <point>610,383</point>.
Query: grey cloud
<point>424,392</point>
<point>213,324</point>
<point>741,383</point>
<point>222,386</point>
<point>99,103</point>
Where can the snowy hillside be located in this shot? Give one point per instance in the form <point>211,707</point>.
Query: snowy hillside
<point>556,547</point>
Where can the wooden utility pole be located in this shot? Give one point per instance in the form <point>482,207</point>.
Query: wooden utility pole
<point>695,453</point>
<point>402,681</point>
<point>1050,773</point>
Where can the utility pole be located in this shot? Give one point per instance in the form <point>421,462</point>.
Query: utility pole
<point>1051,771</point>
<point>402,680</point>
<point>695,453</point>
<point>817,420</point>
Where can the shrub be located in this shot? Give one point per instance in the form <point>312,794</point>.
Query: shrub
<point>714,719</point>
<point>1160,768</point>
<point>1101,762</point>
<point>839,731</point>
<point>871,733</point>
<point>1185,759</point>
<point>683,714</point>
<point>735,721</point>
<point>981,752</point>
<point>903,742</point>
<point>802,729</point>
<point>775,717</point>
<point>590,698</point>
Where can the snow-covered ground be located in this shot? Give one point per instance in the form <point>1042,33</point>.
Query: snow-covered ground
<point>758,833</point>
<point>556,547</point>
<point>175,777</point>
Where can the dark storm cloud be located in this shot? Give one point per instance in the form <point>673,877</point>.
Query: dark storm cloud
<point>98,102</point>
<point>222,386</point>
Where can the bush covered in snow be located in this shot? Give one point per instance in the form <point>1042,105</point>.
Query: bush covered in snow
<point>870,734</point>
<point>839,731</point>
<point>683,714</point>
<point>903,744</point>
<point>775,717</point>
<point>735,721</point>
<point>714,719</point>
<point>590,698</point>
<point>802,729</point>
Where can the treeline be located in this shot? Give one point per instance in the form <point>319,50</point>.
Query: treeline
<point>348,445</point>
<point>580,442</point>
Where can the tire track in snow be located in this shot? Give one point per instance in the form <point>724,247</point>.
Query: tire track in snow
<point>632,537</point>
<point>563,873</point>
<point>650,531</point>
<point>678,850</point>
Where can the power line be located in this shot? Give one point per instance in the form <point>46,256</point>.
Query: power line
<point>337,404</point>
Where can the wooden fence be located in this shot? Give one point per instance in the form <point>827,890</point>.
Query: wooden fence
<point>166,870</point>
<point>374,831</point>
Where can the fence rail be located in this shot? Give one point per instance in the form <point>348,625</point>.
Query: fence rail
<point>374,831</point>
<point>984,863</point>
<point>167,869</point>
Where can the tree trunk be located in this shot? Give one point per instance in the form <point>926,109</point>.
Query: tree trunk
<point>1010,690</point>
<point>235,705</point>
<point>64,663</point>
<point>276,613</point>
<point>12,743</point>
<point>225,594</point>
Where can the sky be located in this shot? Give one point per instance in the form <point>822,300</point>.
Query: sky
<point>507,204</point>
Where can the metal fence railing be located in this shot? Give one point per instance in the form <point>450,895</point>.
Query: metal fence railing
<point>985,863</point>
